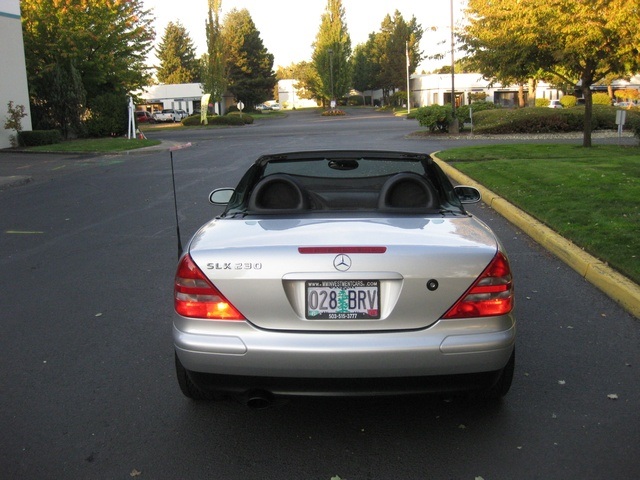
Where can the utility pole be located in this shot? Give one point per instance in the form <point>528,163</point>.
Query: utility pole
<point>332,101</point>
<point>453,128</point>
<point>408,83</point>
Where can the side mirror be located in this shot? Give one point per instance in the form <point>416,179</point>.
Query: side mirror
<point>467,194</point>
<point>221,196</point>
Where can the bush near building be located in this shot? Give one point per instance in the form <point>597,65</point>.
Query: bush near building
<point>601,98</point>
<point>545,120</point>
<point>438,117</point>
<point>35,138</point>
<point>491,119</point>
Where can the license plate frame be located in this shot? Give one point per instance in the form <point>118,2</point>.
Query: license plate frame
<point>342,299</point>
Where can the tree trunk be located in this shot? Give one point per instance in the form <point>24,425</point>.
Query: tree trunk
<point>521,102</point>
<point>588,112</point>
<point>533,85</point>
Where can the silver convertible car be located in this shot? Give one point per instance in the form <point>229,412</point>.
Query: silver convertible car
<point>343,273</point>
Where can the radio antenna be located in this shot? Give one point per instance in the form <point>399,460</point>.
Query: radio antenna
<point>175,196</point>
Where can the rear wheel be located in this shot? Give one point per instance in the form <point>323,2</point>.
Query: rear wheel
<point>188,388</point>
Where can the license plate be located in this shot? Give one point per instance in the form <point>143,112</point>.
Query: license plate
<point>343,299</point>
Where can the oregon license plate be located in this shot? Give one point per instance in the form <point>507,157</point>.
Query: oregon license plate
<point>342,299</point>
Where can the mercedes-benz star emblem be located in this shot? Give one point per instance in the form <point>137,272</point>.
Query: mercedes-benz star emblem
<point>342,262</point>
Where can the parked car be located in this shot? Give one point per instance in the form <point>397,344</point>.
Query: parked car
<point>262,107</point>
<point>275,106</point>
<point>555,104</point>
<point>343,273</point>
<point>143,116</point>
<point>182,113</point>
<point>167,115</point>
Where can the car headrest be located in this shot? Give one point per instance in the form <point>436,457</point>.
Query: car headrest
<point>408,191</point>
<point>277,193</point>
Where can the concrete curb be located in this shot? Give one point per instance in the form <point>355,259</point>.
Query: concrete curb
<point>615,285</point>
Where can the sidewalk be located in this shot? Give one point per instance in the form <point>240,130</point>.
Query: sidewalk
<point>20,167</point>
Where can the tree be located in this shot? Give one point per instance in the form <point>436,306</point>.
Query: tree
<point>395,38</point>
<point>578,41</point>
<point>363,68</point>
<point>103,42</point>
<point>499,47</point>
<point>214,76</point>
<point>249,64</point>
<point>177,56</point>
<point>306,76</point>
<point>332,49</point>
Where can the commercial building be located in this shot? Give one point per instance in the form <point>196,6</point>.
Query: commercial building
<point>13,74</point>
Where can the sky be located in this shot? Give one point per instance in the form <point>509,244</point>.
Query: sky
<point>288,28</point>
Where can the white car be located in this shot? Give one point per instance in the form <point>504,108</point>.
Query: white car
<point>167,115</point>
<point>343,273</point>
<point>555,104</point>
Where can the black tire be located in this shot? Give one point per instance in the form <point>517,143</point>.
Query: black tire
<point>188,388</point>
<point>502,386</point>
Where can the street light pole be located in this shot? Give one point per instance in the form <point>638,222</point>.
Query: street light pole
<point>408,82</point>
<point>454,128</point>
<point>332,101</point>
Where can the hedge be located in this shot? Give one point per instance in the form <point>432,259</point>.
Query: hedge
<point>36,138</point>
<point>545,120</point>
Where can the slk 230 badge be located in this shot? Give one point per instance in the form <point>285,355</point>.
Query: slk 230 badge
<point>234,266</point>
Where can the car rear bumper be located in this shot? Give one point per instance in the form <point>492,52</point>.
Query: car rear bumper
<point>447,356</point>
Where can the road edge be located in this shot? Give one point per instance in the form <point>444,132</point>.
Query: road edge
<point>616,286</point>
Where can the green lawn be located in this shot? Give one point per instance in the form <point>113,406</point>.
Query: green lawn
<point>590,196</point>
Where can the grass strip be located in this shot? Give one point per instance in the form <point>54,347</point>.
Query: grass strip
<point>590,196</point>
<point>97,145</point>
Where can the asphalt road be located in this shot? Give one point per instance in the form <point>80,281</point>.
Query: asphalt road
<point>87,387</point>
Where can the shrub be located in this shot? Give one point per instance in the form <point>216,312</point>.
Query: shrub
<point>600,98</point>
<point>545,120</point>
<point>635,126</point>
<point>36,138</point>
<point>527,120</point>
<point>463,112</point>
<point>542,102</point>
<point>14,121</point>
<point>109,115</point>
<point>436,118</point>
<point>355,100</point>
<point>568,101</point>
<point>398,99</point>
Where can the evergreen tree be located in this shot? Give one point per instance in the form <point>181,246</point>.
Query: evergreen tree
<point>363,68</point>
<point>249,64</point>
<point>389,48</point>
<point>214,76</point>
<point>332,50</point>
<point>177,56</point>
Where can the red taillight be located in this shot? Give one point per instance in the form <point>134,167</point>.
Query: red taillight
<point>196,297</point>
<point>491,294</point>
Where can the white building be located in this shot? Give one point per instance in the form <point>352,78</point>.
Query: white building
<point>290,97</point>
<point>13,73</point>
<point>179,96</point>
<point>435,89</point>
